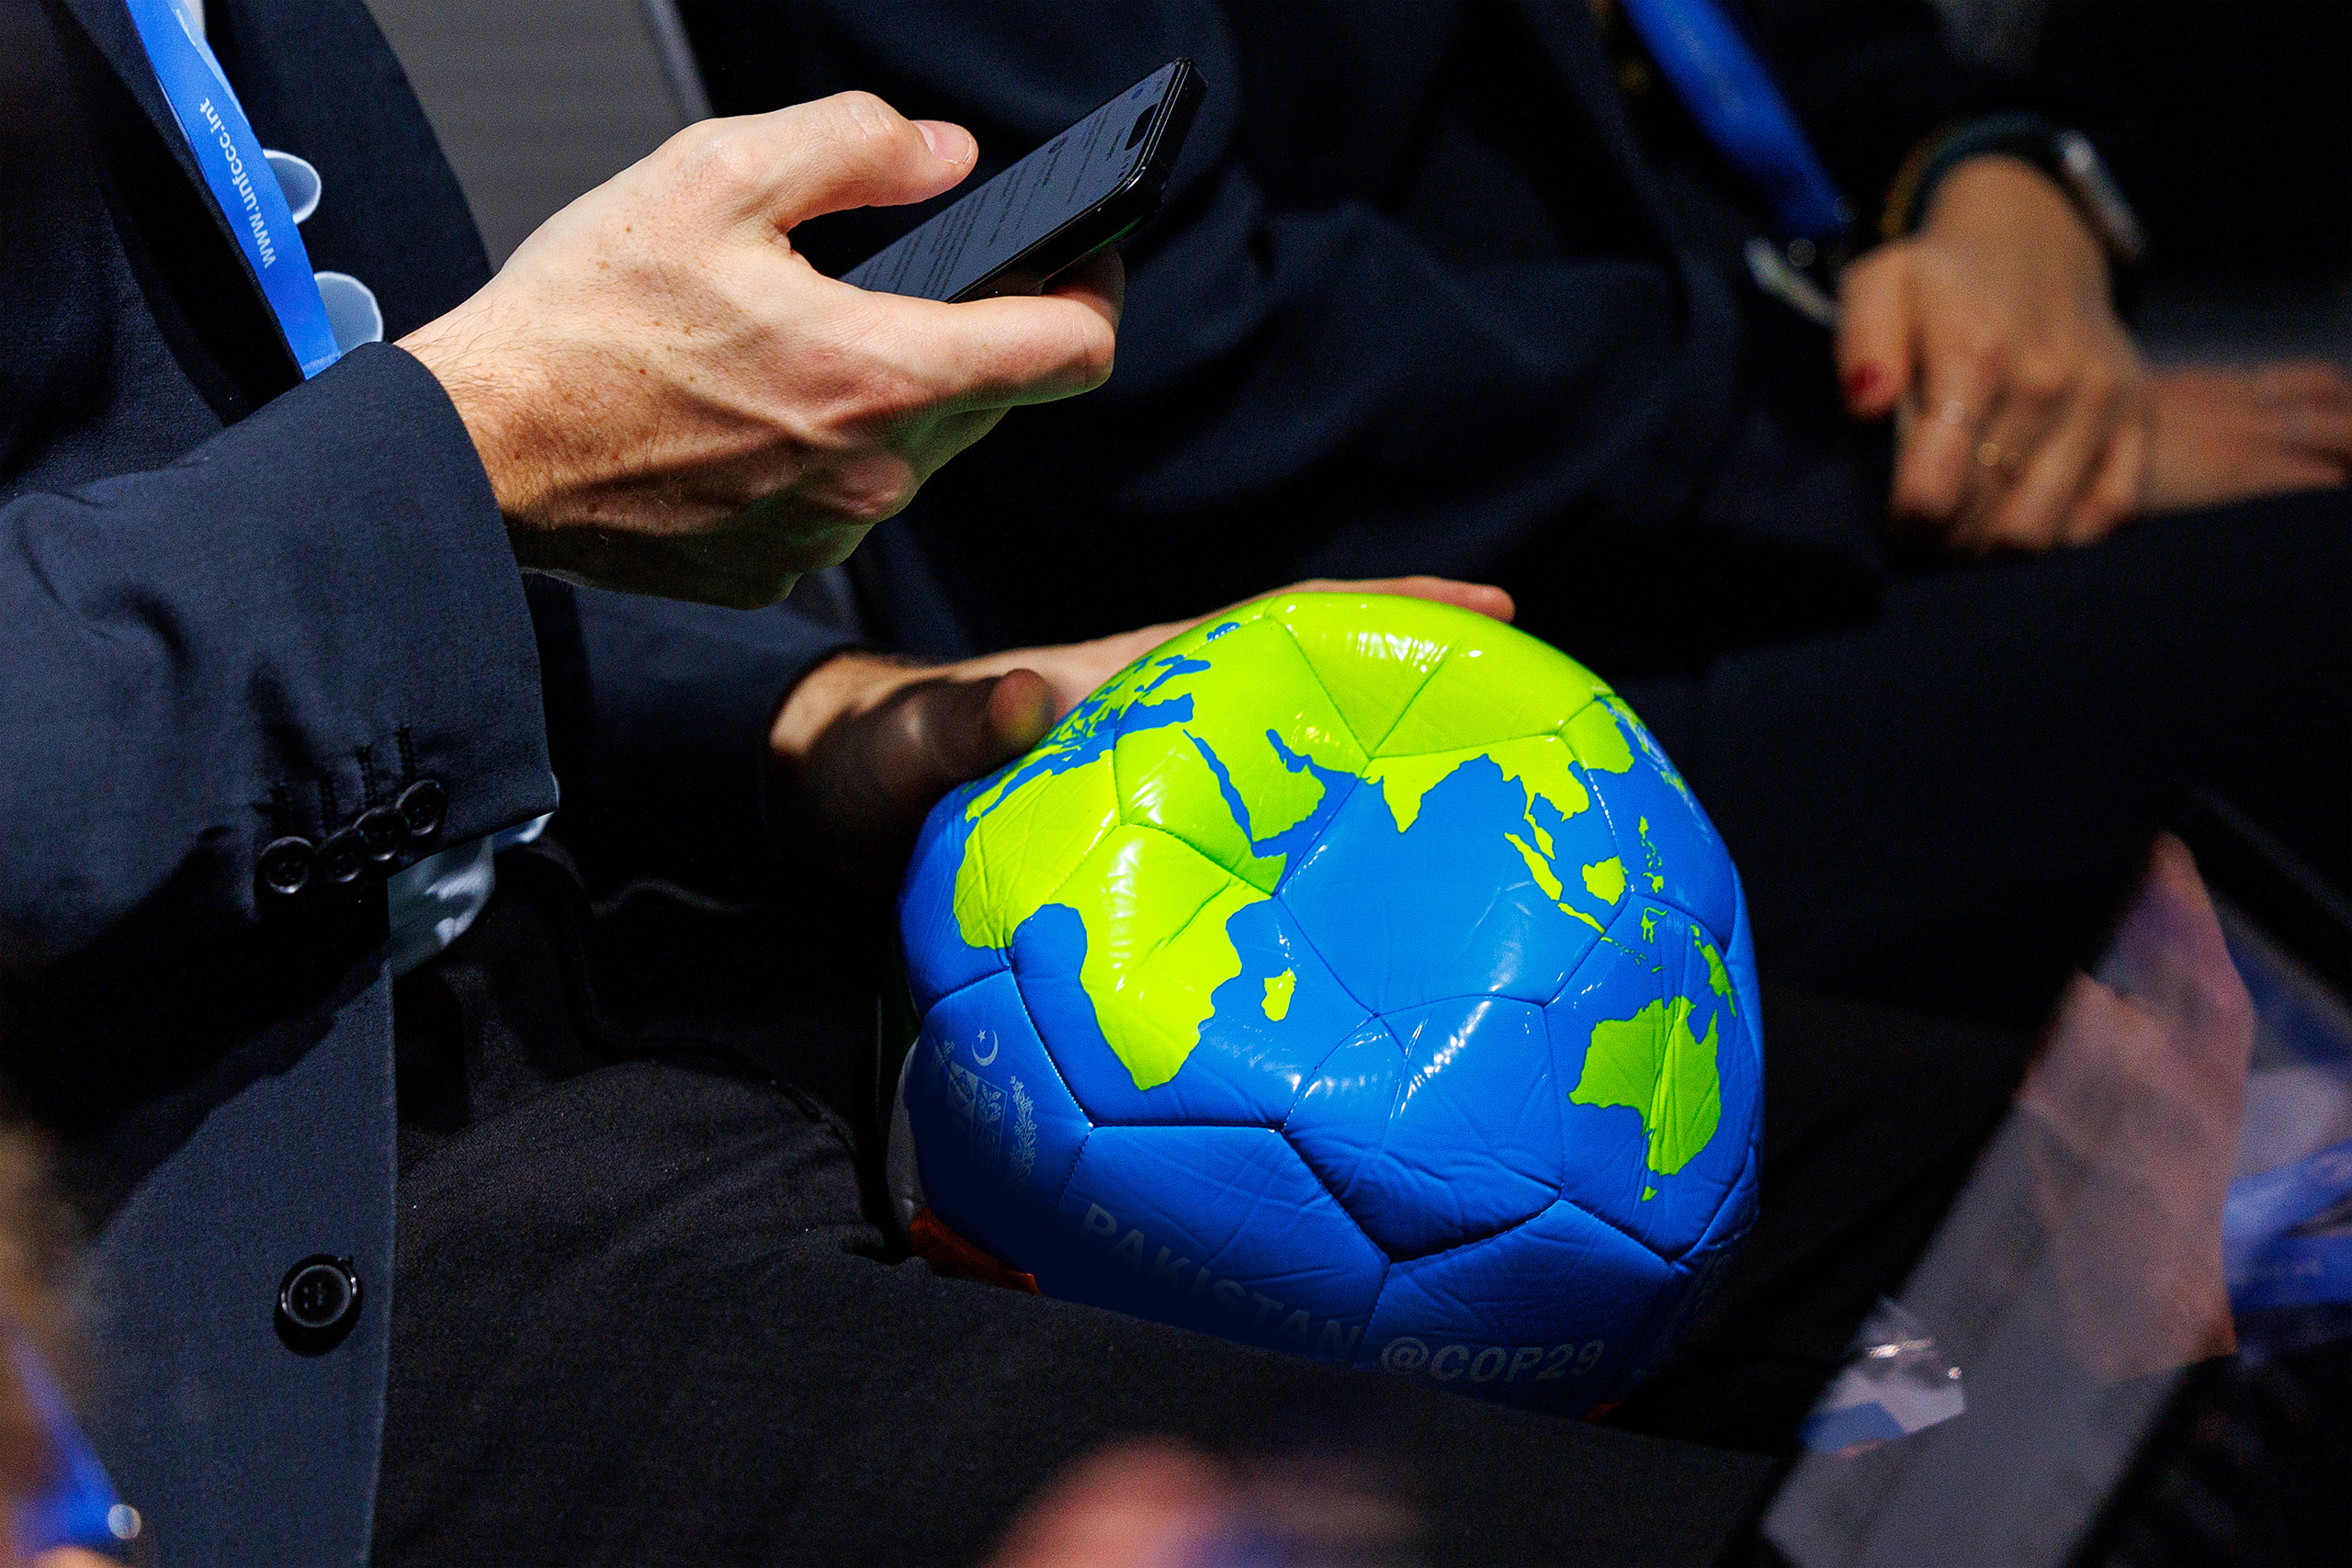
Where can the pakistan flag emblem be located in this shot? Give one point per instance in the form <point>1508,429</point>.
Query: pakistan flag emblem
<point>978,1105</point>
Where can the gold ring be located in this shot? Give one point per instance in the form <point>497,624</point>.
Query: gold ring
<point>1991,454</point>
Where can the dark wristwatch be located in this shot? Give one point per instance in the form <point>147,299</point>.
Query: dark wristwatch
<point>2067,156</point>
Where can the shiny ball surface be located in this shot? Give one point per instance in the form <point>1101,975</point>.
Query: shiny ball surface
<point>1353,976</point>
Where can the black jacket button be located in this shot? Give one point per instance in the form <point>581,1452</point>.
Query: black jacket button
<point>285,865</point>
<point>341,857</point>
<point>317,1303</point>
<point>383,833</point>
<point>421,805</point>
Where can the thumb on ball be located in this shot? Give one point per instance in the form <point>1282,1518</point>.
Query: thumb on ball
<point>1020,711</point>
<point>962,729</point>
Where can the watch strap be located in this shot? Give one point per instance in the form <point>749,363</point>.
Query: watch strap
<point>2067,156</point>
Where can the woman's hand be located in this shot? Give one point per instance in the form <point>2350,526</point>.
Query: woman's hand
<point>2024,412</point>
<point>2225,436</point>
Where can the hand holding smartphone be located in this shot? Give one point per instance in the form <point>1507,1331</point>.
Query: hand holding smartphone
<point>1081,193</point>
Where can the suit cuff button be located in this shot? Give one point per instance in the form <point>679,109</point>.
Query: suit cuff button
<point>383,833</point>
<point>341,857</point>
<point>422,807</point>
<point>285,865</point>
<point>317,1303</point>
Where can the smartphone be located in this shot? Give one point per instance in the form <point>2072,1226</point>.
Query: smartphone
<point>1081,193</point>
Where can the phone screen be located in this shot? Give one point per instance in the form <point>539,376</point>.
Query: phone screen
<point>1053,187</point>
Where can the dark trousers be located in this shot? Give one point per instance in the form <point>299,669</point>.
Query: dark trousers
<point>642,1315</point>
<point>1939,798</point>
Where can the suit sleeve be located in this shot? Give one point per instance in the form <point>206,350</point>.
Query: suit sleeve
<point>286,626</point>
<point>671,782</point>
<point>1283,358</point>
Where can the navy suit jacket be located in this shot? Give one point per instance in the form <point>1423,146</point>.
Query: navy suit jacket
<point>239,607</point>
<point>1431,292</point>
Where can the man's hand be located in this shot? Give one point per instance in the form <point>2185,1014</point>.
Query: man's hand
<point>865,744</point>
<point>2027,410</point>
<point>2225,436</point>
<point>669,399</point>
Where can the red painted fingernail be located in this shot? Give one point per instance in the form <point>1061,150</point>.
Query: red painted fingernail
<point>1861,381</point>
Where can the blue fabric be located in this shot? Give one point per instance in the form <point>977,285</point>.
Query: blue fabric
<point>239,178</point>
<point>77,1507</point>
<point>1718,76</point>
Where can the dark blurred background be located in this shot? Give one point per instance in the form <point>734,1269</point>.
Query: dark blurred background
<point>2233,122</point>
<point>2230,121</point>
<point>537,100</point>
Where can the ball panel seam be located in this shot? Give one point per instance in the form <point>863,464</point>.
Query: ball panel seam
<point>1339,1203</point>
<point>1559,1196</point>
<point>1307,660</point>
<point>1370,750</point>
<point>1483,1236</point>
<point>1372,1315</point>
<point>1047,1046</point>
<point>945,996</point>
<point>1630,1236</point>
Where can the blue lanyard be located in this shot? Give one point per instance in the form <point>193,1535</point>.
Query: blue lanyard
<point>79,1506</point>
<point>1717,76</point>
<point>231,156</point>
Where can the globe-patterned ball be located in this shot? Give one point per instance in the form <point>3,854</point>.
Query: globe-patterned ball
<point>1353,976</point>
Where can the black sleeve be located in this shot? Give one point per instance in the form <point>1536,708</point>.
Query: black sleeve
<point>683,698</point>
<point>1871,79</point>
<point>1284,362</point>
<point>265,638</point>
